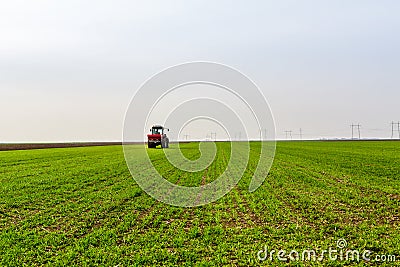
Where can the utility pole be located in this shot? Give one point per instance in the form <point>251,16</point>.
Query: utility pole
<point>186,136</point>
<point>290,134</point>
<point>238,136</point>
<point>398,128</point>
<point>263,137</point>
<point>394,128</point>
<point>352,131</point>
<point>215,136</point>
<point>301,134</point>
<point>358,129</point>
<point>392,124</point>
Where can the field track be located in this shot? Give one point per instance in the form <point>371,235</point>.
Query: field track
<point>27,146</point>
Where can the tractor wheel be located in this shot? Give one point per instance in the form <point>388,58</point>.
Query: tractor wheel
<point>150,145</point>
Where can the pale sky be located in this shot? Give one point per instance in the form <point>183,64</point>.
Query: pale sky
<point>68,69</point>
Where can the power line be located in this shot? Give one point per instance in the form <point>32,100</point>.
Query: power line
<point>358,129</point>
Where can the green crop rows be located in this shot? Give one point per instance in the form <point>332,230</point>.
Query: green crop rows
<point>81,206</point>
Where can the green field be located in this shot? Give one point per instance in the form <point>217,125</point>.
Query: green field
<point>81,206</point>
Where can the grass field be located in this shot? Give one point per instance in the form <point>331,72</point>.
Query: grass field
<point>81,206</point>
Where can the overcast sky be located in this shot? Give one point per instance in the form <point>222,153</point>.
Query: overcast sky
<point>68,69</point>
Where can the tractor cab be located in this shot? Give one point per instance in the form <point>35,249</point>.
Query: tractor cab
<point>157,130</point>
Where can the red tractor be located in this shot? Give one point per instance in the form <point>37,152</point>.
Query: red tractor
<point>157,137</point>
